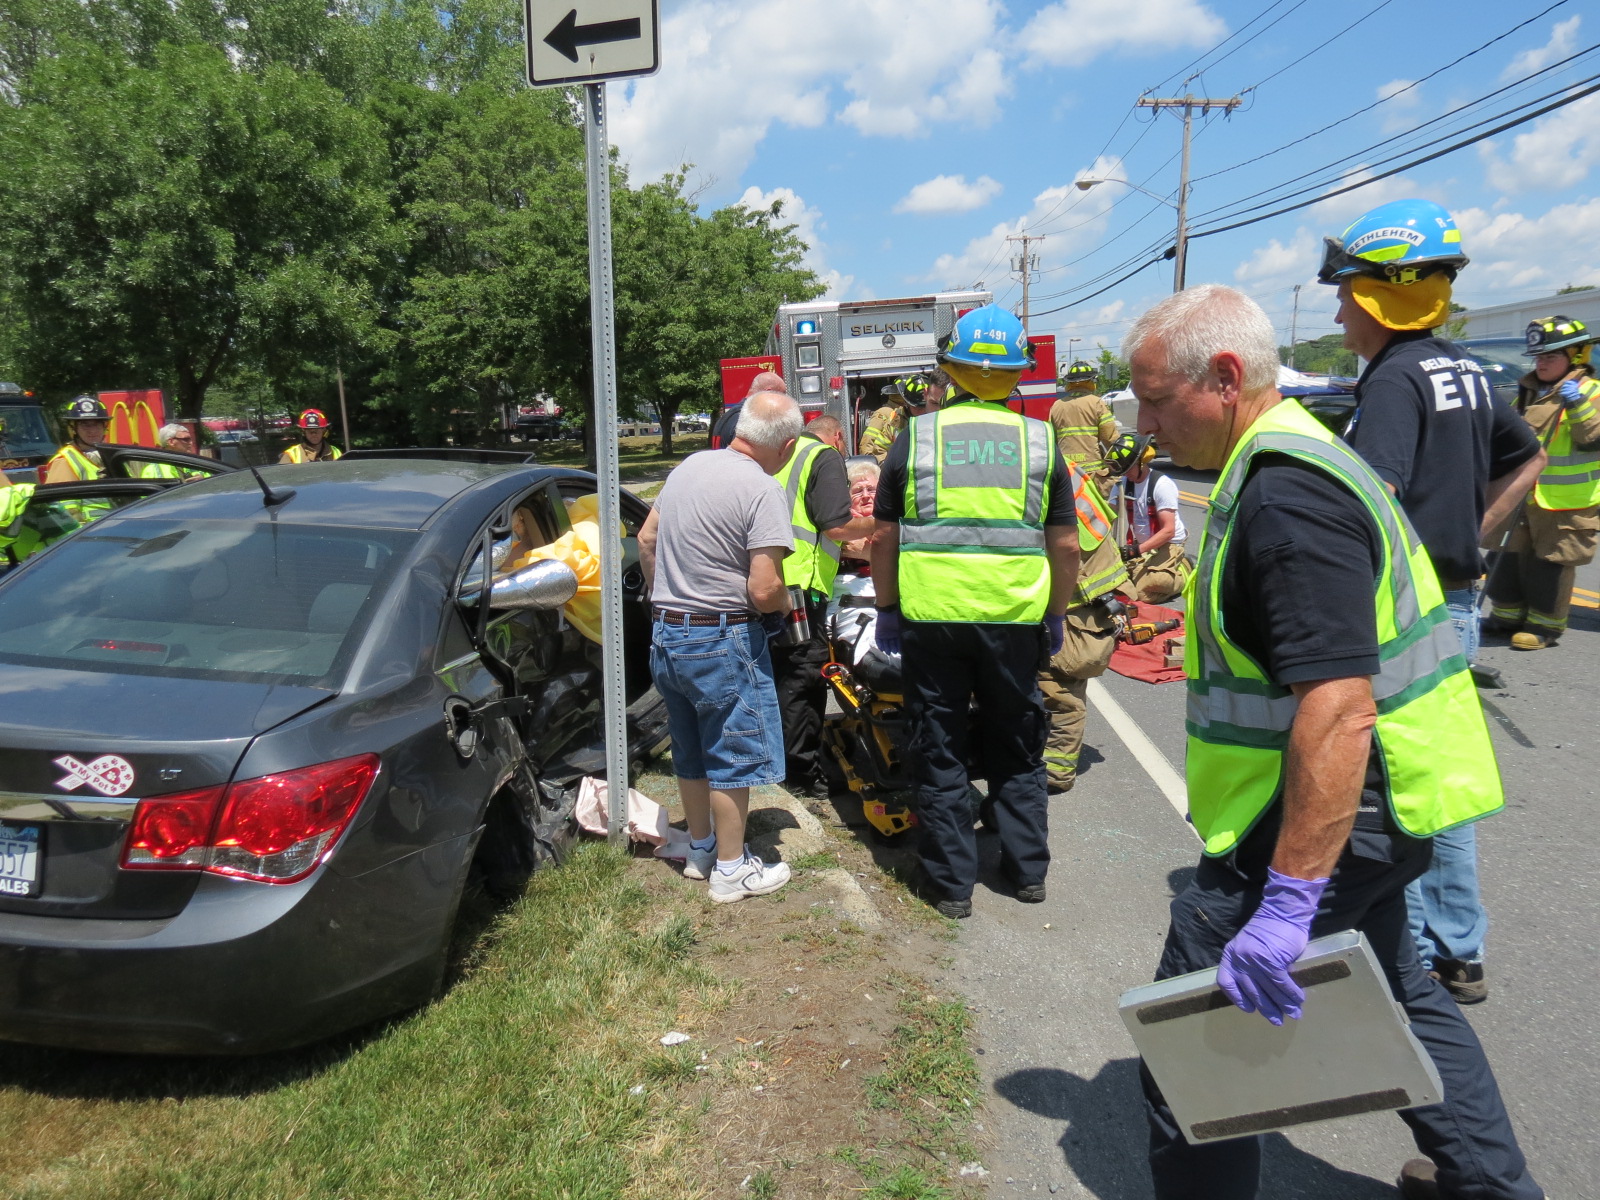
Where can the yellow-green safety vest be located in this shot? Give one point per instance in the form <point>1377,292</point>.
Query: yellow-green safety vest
<point>1096,576</point>
<point>1571,479</point>
<point>1438,762</point>
<point>814,562</point>
<point>157,470</point>
<point>297,453</point>
<point>76,459</point>
<point>82,511</point>
<point>20,538</point>
<point>972,539</point>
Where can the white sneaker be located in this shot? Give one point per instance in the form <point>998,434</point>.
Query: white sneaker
<point>700,864</point>
<point>752,878</point>
<point>697,864</point>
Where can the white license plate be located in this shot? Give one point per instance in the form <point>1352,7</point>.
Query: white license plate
<point>19,859</point>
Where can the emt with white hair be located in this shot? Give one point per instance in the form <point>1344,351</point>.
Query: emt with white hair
<point>171,436</point>
<point>1324,677</point>
<point>713,549</point>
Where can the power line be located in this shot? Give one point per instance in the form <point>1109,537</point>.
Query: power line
<point>1248,40</point>
<point>1300,58</point>
<point>1460,145</point>
<point>1223,212</point>
<point>1385,99</point>
<point>1465,142</point>
<point>1207,53</point>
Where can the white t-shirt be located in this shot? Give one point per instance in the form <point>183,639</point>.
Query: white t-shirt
<point>1166,499</point>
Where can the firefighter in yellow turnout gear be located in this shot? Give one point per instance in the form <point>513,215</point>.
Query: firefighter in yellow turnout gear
<point>78,460</point>
<point>908,397</point>
<point>1083,423</point>
<point>1091,633</point>
<point>313,445</point>
<point>1530,587</point>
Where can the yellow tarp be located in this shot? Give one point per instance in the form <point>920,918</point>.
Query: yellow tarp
<point>579,549</point>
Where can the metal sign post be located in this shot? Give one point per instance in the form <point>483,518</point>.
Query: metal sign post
<point>609,39</point>
<point>597,165</point>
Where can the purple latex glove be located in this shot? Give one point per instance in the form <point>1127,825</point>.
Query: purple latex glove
<point>1570,393</point>
<point>887,632</point>
<point>1056,629</point>
<point>1254,972</point>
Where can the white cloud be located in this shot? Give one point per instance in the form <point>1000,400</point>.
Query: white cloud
<point>1562,44</point>
<point>737,69</point>
<point>1069,32</point>
<point>808,225</point>
<point>1281,263</point>
<point>1070,219</point>
<point>1338,211</point>
<point>1558,151</point>
<point>1511,250</point>
<point>1402,97</point>
<point>949,194</point>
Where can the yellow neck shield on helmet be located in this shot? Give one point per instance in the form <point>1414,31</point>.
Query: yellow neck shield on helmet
<point>986,383</point>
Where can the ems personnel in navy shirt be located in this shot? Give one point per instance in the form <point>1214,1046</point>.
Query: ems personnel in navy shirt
<point>1457,459</point>
<point>1314,807</point>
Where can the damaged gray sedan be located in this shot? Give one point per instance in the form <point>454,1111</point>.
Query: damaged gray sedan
<point>258,737</point>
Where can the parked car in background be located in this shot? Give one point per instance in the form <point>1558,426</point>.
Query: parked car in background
<point>257,736</point>
<point>1503,362</point>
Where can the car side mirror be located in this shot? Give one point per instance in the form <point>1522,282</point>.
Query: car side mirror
<point>545,584</point>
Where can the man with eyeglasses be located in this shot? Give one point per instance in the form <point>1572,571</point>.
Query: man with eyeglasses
<point>174,437</point>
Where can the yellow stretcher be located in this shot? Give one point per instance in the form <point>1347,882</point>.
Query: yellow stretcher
<point>867,739</point>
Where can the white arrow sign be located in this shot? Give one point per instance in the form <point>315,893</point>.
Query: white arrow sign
<point>586,41</point>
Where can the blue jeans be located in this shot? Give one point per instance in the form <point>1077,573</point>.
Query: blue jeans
<point>1463,608</point>
<point>1447,917</point>
<point>722,704</point>
<point>1468,1135</point>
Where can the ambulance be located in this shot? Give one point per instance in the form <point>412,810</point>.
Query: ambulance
<point>837,356</point>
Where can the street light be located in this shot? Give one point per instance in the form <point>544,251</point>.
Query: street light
<point>1181,247</point>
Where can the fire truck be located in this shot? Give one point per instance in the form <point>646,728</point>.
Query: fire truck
<point>837,356</point>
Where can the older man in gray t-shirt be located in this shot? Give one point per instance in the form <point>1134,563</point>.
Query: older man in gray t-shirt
<point>713,548</point>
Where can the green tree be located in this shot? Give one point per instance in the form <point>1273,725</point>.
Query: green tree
<point>1322,356</point>
<point>698,290</point>
<point>160,222</point>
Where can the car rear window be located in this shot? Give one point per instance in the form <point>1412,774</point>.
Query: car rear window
<point>212,599</point>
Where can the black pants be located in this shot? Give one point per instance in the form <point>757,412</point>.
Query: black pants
<point>1468,1136</point>
<point>802,699</point>
<point>947,666</point>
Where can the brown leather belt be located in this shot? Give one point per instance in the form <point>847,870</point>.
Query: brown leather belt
<point>689,618</point>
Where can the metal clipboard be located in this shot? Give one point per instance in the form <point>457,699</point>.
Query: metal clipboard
<point>1227,1073</point>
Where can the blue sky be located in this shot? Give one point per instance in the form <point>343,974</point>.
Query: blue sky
<point>909,138</point>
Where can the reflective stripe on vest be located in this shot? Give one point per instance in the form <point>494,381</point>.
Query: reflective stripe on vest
<point>297,453</point>
<point>1439,764</point>
<point>815,559</point>
<point>74,458</point>
<point>1571,479</point>
<point>972,539</point>
<point>1095,514</point>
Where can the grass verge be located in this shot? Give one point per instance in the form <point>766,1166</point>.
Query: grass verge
<point>537,1076</point>
<point>637,457</point>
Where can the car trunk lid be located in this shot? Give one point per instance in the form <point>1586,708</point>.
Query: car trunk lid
<point>79,750</point>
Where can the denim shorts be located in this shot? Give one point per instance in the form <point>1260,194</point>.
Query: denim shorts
<point>722,705</point>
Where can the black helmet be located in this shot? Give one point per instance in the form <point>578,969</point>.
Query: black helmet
<point>1128,450</point>
<point>1560,333</point>
<point>86,408</point>
<point>1081,372</point>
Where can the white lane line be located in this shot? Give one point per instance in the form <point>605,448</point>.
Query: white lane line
<point>1149,756</point>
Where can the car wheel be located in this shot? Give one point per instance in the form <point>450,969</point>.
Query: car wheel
<point>523,830</point>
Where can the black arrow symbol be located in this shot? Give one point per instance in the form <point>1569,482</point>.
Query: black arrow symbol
<point>566,37</point>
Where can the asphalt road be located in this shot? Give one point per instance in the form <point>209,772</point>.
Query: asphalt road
<point>1064,1115</point>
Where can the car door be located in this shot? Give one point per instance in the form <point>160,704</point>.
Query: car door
<point>57,510</point>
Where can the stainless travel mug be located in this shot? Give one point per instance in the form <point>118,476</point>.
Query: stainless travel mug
<point>796,624</point>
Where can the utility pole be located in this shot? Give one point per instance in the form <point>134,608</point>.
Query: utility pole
<point>1188,104</point>
<point>1294,324</point>
<point>1026,264</point>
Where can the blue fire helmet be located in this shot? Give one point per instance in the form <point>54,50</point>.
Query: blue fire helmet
<point>987,337</point>
<point>1401,242</point>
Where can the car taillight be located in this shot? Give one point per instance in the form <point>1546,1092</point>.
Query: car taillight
<point>275,828</point>
<point>173,832</point>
